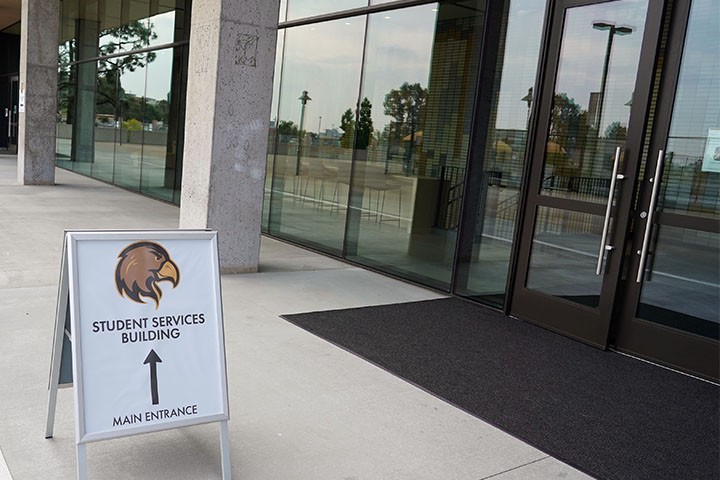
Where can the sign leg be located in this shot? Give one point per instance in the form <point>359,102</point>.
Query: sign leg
<point>225,451</point>
<point>54,381</point>
<point>61,318</point>
<point>81,454</point>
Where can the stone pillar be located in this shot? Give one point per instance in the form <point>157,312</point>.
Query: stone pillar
<point>229,94</point>
<point>40,23</point>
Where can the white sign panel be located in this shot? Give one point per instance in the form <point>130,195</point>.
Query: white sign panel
<point>148,345</point>
<point>711,159</point>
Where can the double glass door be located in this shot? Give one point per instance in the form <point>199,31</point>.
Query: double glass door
<point>620,236</point>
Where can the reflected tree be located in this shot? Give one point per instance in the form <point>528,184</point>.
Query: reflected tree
<point>287,127</point>
<point>347,124</point>
<point>111,96</point>
<point>616,131</point>
<point>365,130</point>
<point>568,137</point>
<point>567,121</point>
<point>364,125</point>
<point>405,105</point>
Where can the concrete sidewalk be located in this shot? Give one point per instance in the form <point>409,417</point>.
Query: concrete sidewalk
<point>301,408</point>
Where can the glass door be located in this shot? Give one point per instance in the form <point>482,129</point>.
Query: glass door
<point>672,310</point>
<point>13,113</point>
<point>587,144</point>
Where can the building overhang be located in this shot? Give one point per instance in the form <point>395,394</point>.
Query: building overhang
<point>9,13</point>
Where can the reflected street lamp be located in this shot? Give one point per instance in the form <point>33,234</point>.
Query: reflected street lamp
<point>304,98</point>
<point>528,99</point>
<point>612,31</point>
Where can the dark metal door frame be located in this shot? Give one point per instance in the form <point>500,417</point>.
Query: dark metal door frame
<point>692,353</point>
<point>586,324</point>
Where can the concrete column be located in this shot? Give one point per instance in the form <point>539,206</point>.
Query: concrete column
<point>229,94</point>
<point>40,23</point>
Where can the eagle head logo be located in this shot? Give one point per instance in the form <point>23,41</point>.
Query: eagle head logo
<point>141,266</point>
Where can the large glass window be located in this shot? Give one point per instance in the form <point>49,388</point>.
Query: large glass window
<point>372,128</point>
<point>483,271</point>
<point>120,106</point>
<point>312,158</point>
<point>412,138</point>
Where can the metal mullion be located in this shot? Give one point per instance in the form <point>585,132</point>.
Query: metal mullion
<point>129,52</point>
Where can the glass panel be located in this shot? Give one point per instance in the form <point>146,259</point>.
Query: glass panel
<point>485,273</point>
<point>166,22</point>
<point>129,139</point>
<point>106,120</point>
<point>564,250</point>
<point>127,26</point>
<point>110,22</point>
<point>593,92</point>
<point>691,181</point>
<point>162,28</point>
<point>681,287</point>
<point>311,168</point>
<point>411,138</point>
<point>104,117</point>
<point>273,133</point>
<point>310,8</point>
<point>66,100</point>
<point>158,153</point>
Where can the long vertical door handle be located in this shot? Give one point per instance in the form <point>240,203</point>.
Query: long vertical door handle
<point>650,214</point>
<point>613,179</point>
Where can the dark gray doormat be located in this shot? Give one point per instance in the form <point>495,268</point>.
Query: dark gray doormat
<point>608,415</point>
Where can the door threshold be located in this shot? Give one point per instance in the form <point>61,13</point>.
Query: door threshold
<point>630,355</point>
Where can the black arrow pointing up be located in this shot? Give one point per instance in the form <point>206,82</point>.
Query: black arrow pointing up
<point>153,360</point>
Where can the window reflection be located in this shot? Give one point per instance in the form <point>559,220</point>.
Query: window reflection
<point>590,112</point>
<point>691,180</point>
<point>681,288</point>
<point>310,8</point>
<point>418,91</point>
<point>311,167</point>
<point>482,271</point>
<point>65,116</point>
<point>158,153</point>
<point>119,117</point>
<point>131,109</point>
<point>272,131</point>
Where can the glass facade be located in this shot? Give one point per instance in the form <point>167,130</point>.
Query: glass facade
<point>371,130</point>
<point>121,90</point>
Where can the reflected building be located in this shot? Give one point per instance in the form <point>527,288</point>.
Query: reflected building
<point>121,89</point>
<point>554,160</point>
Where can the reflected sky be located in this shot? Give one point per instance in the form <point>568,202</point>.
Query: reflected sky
<point>522,42</point>
<point>402,40</point>
<point>399,40</point>
<point>700,72</point>
<point>582,59</point>
<point>134,82</point>
<point>323,59</point>
<point>310,8</point>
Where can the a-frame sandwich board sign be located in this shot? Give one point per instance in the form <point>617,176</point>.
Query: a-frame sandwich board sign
<point>141,315</point>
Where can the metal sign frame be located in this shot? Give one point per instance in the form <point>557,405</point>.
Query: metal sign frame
<point>69,305</point>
